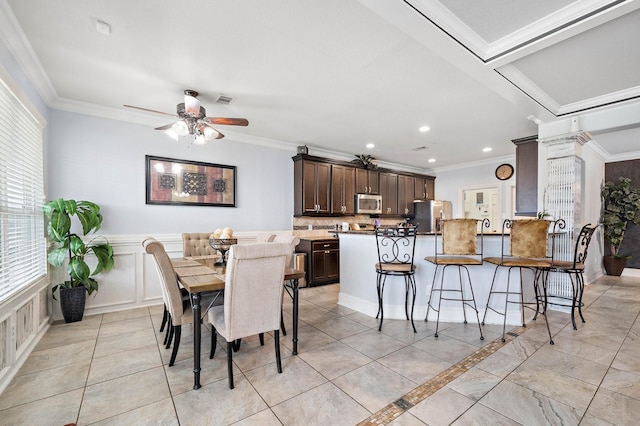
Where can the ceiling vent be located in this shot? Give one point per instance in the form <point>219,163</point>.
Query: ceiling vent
<point>420,148</point>
<point>224,100</point>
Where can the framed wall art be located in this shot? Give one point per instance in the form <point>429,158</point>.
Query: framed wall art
<point>183,182</point>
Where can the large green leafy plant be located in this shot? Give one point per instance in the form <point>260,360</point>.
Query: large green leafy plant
<point>620,205</point>
<point>59,212</point>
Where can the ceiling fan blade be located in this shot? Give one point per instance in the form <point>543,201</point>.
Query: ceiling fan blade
<point>227,121</point>
<point>219,136</point>
<point>150,110</point>
<point>165,127</point>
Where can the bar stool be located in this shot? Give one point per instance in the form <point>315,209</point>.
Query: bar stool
<point>528,240</point>
<point>575,269</point>
<point>396,248</point>
<point>459,248</point>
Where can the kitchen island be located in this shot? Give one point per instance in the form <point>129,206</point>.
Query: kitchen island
<point>358,256</point>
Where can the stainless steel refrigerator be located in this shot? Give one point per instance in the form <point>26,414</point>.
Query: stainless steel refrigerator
<point>428,214</point>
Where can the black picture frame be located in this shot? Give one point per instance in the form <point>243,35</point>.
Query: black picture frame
<point>170,181</point>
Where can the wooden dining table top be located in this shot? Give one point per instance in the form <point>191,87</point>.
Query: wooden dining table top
<point>197,278</point>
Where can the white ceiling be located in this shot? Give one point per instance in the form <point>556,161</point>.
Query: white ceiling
<point>338,74</point>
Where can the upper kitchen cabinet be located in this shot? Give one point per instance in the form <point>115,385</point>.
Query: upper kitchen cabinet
<point>343,189</point>
<point>424,187</point>
<point>389,192</point>
<point>526,176</point>
<point>367,181</point>
<point>406,185</point>
<point>311,187</point>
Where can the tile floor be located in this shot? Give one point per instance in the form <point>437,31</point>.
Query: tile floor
<point>111,369</point>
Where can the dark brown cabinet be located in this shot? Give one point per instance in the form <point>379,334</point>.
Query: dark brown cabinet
<point>326,187</point>
<point>423,188</point>
<point>405,195</point>
<point>323,260</point>
<point>526,176</point>
<point>311,181</point>
<point>367,181</point>
<point>389,192</point>
<point>343,189</point>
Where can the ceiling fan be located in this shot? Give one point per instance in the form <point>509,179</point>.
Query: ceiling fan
<point>192,120</point>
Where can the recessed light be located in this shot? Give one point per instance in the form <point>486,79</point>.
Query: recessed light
<point>370,145</point>
<point>431,160</point>
<point>487,149</point>
<point>424,129</point>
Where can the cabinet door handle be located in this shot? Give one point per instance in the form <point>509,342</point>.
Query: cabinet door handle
<point>327,252</point>
<point>326,245</point>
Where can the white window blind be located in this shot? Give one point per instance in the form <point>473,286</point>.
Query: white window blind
<point>22,243</point>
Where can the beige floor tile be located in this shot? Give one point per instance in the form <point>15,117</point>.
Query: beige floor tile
<point>124,326</point>
<point>406,419</point>
<point>263,418</point>
<point>554,385</point>
<point>309,337</point>
<point>339,328</point>
<point>402,330</point>
<point>481,415</point>
<point>528,407</point>
<point>442,408</point>
<point>125,394</point>
<point>296,377</point>
<point>180,375</point>
<point>363,319</point>
<point>622,382</point>
<point>124,342</point>
<point>160,413</point>
<point>475,383</point>
<point>374,386</point>
<point>373,343</point>
<point>59,409</point>
<point>446,348</point>
<point>216,404</point>
<point>44,384</point>
<point>334,359</point>
<point>323,405</point>
<point>614,408</point>
<point>579,368</point>
<point>57,356</point>
<point>414,364</point>
<point>124,363</point>
<point>125,315</point>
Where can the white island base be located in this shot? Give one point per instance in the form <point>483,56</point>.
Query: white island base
<point>358,256</point>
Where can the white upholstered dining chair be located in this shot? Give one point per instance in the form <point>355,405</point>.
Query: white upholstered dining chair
<point>253,297</point>
<point>173,300</point>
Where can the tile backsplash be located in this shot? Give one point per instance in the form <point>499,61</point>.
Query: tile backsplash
<point>320,226</point>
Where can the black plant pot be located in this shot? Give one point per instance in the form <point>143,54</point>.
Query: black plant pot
<point>614,265</point>
<point>72,302</point>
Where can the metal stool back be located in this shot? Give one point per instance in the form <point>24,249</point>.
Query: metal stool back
<point>396,249</point>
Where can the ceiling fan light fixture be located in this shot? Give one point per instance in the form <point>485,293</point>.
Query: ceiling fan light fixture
<point>172,133</point>
<point>181,128</point>
<point>191,103</point>
<point>210,133</point>
<point>200,139</point>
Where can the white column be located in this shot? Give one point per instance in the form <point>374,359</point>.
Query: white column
<point>563,197</point>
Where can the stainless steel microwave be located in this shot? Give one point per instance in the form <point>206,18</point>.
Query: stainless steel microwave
<point>368,204</point>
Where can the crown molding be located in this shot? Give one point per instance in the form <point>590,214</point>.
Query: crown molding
<point>19,46</point>
<point>479,163</point>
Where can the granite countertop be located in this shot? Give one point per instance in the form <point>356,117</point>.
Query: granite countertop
<point>320,237</point>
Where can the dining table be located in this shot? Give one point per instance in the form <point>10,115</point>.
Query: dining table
<point>198,277</point>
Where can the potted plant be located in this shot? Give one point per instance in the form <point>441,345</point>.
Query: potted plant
<point>620,205</point>
<point>74,290</point>
<point>367,161</point>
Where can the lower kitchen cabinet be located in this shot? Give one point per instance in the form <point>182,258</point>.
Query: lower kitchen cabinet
<point>323,260</point>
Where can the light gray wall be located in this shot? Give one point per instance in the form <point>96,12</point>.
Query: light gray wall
<point>103,161</point>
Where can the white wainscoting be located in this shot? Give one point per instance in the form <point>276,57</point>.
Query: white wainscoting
<point>133,282</point>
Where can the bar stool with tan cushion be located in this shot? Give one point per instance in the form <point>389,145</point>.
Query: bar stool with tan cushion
<point>528,240</point>
<point>459,248</point>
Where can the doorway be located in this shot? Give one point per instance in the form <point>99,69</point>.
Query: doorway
<point>482,203</point>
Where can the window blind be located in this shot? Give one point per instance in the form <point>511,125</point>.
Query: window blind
<point>22,237</point>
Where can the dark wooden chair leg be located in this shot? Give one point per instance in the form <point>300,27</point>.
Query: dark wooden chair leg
<point>261,337</point>
<point>214,341</point>
<point>284,330</point>
<point>230,363</point>
<point>165,313</point>
<point>276,338</point>
<point>169,336</point>
<point>176,343</point>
